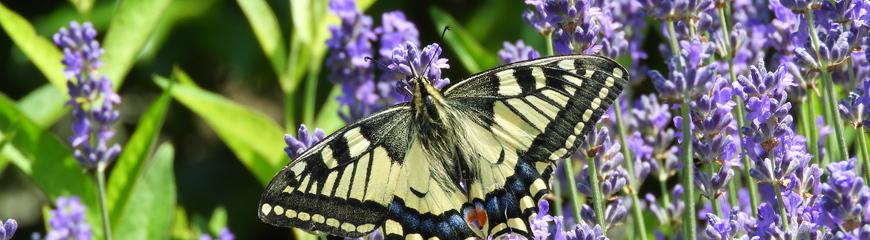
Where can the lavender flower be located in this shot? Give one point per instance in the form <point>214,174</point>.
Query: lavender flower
<point>540,224</point>
<point>769,139</point>
<point>7,229</point>
<point>845,199</point>
<point>718,229</point>
<point>517,52</point>
<point>304,140</point>
<point>350,44</point>
<point>679,9</point>
<point>578,26</point>
<point>687,73</point>
<point>667,212</point>
<point>224,234</point>
<point>91,96</point>
<point>395,31</point>
<point>67,221</point>
<point>608,160</point>
<point>651,120</point>
<point>411,62</point>
<point>713,130</point>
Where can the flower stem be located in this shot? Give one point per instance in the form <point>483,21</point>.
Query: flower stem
<point>688,172</point>
<point>666,195</point>
<point>715,200</point>
<point>738,114</point>
<point>104,210</point>
<point>781,205</point>
<point>597,198</point>
<point>828,88</point>
<point>865,154</point>
<point>809,122</point>
<point>629,166</point>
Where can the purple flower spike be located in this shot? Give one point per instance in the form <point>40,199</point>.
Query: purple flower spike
<point>411,62</point>
<point>517,52</point>
<point>608,160</point>
<point>7,229</point>
<point>91,96</point>
<point>67,221</point>
<point>687,73</point>
<point>396,30</point>
<point>303,141</point>
<point>845,198</point>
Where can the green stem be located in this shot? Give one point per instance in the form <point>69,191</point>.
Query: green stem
<point>865,154</point>
<point>688,172</point>
<point>310,95</point>
<point>781,205</point>
<point>557,198</point>
<point>666,194</point>
<point>828,87</point>
<point>810,123</point>
<point>597,198</point>
<point>629,166</point>
<point>738,111</point>
<point>715,200</point>
<point>732,193</point>
<point>104,210</point>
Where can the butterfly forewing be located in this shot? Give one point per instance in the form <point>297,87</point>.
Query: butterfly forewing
<point>512,122</point>
<point>342,186</point>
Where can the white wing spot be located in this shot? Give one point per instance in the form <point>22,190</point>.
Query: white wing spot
<point>617,72</point>
<point>318,218</point>
<point>278,210</point>
<point>526,203</point>
<point>579,128</point>
<point>332,222</point>
<point>596,103</point>
<point>365,228</point>
<point>347,227</point>
<point>609,82</point>
<point>603,93</point>
<point>290,213</point>
<point>356,142</point>
<point>304,216</point>
<point>587,115</point>
<point>266,208</point>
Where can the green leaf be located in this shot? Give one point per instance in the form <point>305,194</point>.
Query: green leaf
<point>44,106</point>
<point>39,50</point>
<point>181,225</point>
<point>130,168</point>
<point>327,118</point>
<point>255,138</point>
<point>471,53</point>
<point>265,26</point>
<point>218,220</point>
<point>48,161</point>
<point>84,6</point>
<point>131,26</point>
<point>151,215</point>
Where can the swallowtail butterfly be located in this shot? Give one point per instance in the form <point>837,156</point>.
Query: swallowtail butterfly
<point>486,145</point>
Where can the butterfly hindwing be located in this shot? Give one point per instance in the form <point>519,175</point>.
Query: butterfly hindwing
<point>344,184</point>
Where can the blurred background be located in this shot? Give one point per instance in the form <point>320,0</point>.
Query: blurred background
<point>213,42</point>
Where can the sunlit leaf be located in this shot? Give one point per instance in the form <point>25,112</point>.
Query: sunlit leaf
<point>44,106</point>
<point>47,160</point>
<point>470,53</point>
<point>132,162</point>
<point>155,196</point>
<point>265,25</point>
<point>254,137</point>
<point>40,50</point>
<point>132,24</point>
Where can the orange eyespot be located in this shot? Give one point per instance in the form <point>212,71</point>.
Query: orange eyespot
<point>476,216</point>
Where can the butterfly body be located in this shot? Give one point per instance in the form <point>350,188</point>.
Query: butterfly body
<point>482,149</point>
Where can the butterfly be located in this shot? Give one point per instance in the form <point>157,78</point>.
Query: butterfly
<point>468,161</point>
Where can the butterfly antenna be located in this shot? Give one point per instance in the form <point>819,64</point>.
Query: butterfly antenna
<point>437,50</point>
<point>379,63</point>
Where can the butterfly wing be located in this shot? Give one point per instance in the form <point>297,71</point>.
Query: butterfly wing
<point>522,118</point>
<point>344,184</point>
